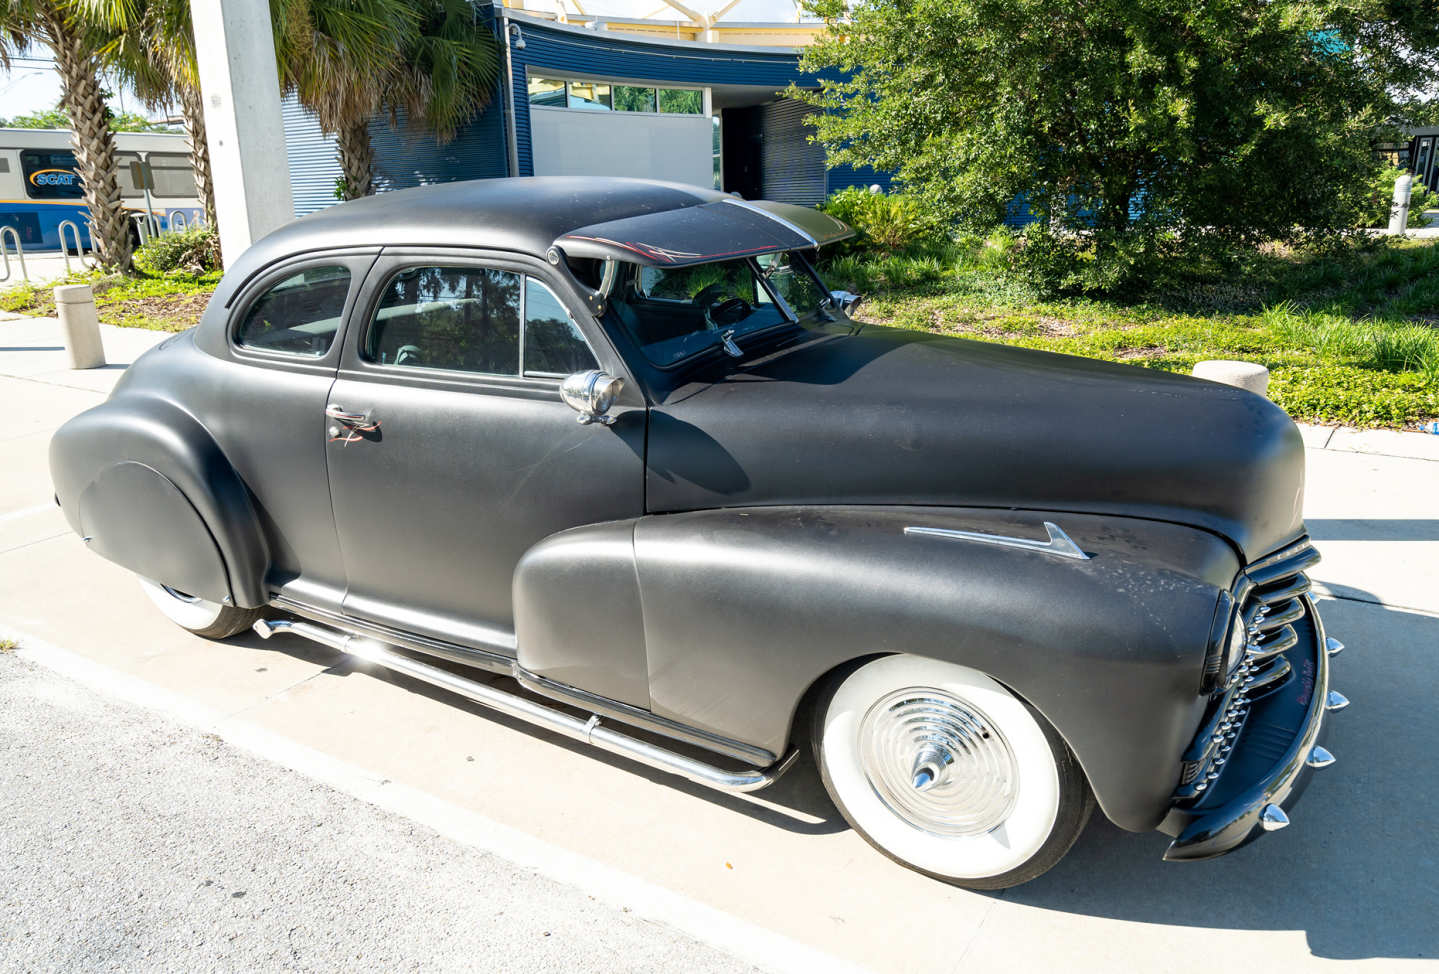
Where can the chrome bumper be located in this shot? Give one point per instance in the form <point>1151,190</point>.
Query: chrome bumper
<point>1265,765</point>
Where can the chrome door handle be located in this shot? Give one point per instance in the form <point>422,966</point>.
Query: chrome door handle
<point>338,412</point>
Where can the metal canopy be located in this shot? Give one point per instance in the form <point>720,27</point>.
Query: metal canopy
<point>708,232</point>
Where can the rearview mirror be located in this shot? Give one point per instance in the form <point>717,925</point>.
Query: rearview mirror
<point>591,394</point>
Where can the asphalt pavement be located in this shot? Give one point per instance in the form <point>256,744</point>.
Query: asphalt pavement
<point>130,842</point>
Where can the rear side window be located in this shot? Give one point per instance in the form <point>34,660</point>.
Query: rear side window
<point>300,315</point>
<point>460,319</point>
<point>554,345</point>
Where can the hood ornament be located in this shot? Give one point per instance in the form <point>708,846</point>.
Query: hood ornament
<point>1059,543</point>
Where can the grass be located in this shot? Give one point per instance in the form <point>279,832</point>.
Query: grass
<point>8,645</point>
<point>1349,338</point>
<point>170,303</point>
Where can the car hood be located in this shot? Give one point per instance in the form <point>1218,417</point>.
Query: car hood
<point>894,417</point>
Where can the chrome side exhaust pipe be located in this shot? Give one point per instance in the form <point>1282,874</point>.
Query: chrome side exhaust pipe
<point>589,731</point>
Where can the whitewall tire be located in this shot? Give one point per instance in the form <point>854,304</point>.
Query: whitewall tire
<point>945,771</point>
<point>200,616</point>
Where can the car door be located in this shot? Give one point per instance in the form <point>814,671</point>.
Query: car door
<point>265,409</point>
<point>450,451</point>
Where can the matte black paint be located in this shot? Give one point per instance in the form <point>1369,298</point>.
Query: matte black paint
<point>901,417</point>
<point>736,534</point>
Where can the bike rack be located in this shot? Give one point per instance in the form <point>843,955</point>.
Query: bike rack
<point>178,221</point>
<point>145,226</point>
<point>85,262</point>
<point>19,253</point>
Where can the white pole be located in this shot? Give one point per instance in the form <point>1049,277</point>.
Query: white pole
<point>240,88</point>
<point>1399,212</point>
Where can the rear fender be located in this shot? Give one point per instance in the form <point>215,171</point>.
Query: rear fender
<point>145,482</point>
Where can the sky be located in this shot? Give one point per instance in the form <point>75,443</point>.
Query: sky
<point>31,84</point>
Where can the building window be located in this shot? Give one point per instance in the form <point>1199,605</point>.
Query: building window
<point>629,98</point>
<point>681,101</point>
<point>589,96</point>
<point>547,92</point>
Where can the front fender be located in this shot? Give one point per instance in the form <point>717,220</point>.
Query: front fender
<point>149,486</point>
<point>745,609</point>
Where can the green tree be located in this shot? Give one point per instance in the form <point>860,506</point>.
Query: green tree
<point>1129,128</point>
<point>75,43</point>
<point>58,118</point>
<point>152,48</point>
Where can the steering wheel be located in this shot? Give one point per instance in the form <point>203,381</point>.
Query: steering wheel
<point>730,312</point>
<point>410,355</point>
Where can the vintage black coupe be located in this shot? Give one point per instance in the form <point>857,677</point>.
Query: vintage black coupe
<point>615,439</point>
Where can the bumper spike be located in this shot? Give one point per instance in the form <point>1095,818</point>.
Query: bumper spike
<point>1333,646</point>
<point>1272,819</point>
<point>1335,702</point>
<point>1320,757</point>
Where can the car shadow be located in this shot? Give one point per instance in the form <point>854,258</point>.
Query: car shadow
<point>1372,529</point>
<point>1357,870</point>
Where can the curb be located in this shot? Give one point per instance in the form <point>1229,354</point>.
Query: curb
<point>1384,443</point>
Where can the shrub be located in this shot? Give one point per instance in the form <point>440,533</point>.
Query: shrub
<point>1381,198</point>
<point>887,223</point>
<point>193,252</point>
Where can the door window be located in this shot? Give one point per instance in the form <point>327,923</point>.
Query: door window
<point>460,319</point>
<point>300,315</point>
<point>554,345</point>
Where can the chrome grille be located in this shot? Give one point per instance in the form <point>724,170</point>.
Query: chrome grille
<point>1269,593</point>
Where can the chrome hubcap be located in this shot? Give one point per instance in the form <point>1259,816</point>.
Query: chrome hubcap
<point>938,762</point>
<point>180,596</point>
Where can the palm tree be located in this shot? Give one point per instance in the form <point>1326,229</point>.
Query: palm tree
<point>74,44</point>
<point>349,61</point>
<point>153,51</point>
<point>338,57</point>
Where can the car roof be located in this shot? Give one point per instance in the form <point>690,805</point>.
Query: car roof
<point>523,214</point>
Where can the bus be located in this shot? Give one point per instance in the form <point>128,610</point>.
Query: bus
<point>40,187</point>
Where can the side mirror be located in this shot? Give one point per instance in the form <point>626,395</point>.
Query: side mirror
<point>846,301</point>
<point>591,394</point>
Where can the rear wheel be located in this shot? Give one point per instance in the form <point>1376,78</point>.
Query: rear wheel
<point>213,620</point>
<point>945,771</point>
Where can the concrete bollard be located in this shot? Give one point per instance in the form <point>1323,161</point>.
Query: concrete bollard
<point>1245,375</point>
<point>1399,211</point>
<point>75,307</point>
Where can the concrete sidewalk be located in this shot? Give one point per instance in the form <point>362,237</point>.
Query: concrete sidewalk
<point>1355,878</point>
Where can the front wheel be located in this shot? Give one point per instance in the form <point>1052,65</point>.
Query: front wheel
<point>947,772</point>
<point>200,616</point>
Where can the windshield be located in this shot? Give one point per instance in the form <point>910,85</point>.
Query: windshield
<point>675,312</point>
<point>791,276</point>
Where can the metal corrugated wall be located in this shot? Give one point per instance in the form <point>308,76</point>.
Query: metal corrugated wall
<point>792,167</point>
<point>314,165</point>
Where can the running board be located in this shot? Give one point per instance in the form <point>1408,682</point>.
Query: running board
<point>589,731</point>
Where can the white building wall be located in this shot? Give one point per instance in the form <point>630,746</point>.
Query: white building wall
<point>678,148</point>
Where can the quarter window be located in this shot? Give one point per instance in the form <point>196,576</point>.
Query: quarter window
<point>553,343</point>
<point>460,319</point>
<point>298,316</point>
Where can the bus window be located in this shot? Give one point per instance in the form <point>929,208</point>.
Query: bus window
<point>50,174</point>
<point>173,174</point>
<point>128,189</point>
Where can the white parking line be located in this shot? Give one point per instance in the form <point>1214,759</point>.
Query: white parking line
<point>749,942</point>
<point>26,512</point>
